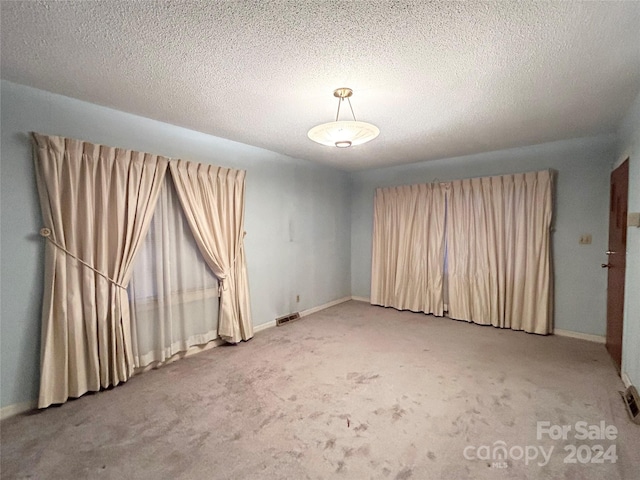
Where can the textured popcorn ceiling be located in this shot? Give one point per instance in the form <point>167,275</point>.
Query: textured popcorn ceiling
<point>439,79</point>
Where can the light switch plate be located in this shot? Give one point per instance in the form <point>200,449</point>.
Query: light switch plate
<point>585,239</point>
<point>633,219</point>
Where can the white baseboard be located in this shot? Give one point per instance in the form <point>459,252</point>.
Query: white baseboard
<point>581,336</point>
<point>625,379</point>
<point>16,409</point>
<point>361,299</point>
<point>303,313</point>
<point>264,326</point>
<point>309,311</point>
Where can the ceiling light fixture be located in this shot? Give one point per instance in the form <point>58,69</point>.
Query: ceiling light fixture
<point>343,134</point>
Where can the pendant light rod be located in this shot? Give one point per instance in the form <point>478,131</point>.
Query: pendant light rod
<point>343,93</point>
<point>354,115</point>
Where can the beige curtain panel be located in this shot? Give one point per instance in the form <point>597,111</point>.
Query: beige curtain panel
<point>96,203</point>
<point>498,261</point>
<point>213,201</point>
<point>498,243</point>
<point>408,248</point>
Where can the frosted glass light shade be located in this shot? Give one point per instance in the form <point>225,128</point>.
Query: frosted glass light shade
<point>343,134</point>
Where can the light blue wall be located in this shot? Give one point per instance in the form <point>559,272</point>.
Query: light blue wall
<point>309,227</point>
<point>297,218</point>
<point>629,134</point>
<point>582,186</point>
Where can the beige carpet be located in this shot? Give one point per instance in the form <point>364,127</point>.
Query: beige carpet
<point>354,392</point>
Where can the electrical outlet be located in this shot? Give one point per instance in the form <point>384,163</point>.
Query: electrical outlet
<point>585,239</point>
<point>297,298</point>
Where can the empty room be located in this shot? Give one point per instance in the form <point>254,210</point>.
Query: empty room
<point>319,239</point>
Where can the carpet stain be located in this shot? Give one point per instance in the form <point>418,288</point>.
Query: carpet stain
<point>431,455</point>
<point>361,378</point>
<point>398,413</point>
<point>268,420</point>
<point>364,450</point>
<point>361,428</point>
<point>199,439</point>
<point>330,443</point>
<point>405,473</point>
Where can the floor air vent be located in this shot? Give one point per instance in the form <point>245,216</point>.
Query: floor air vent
<point>287,319</point>
<point>632,402</point>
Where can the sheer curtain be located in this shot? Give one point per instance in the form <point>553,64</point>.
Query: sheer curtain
<point>498,243</point>
<point>408,248</point>
<point>173,293</point>
<point>97,203</point>
<point>213,201</point>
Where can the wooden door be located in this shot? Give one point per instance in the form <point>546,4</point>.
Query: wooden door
<point>616,259</point>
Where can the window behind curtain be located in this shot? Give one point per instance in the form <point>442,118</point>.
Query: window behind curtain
<point>173,293</point>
